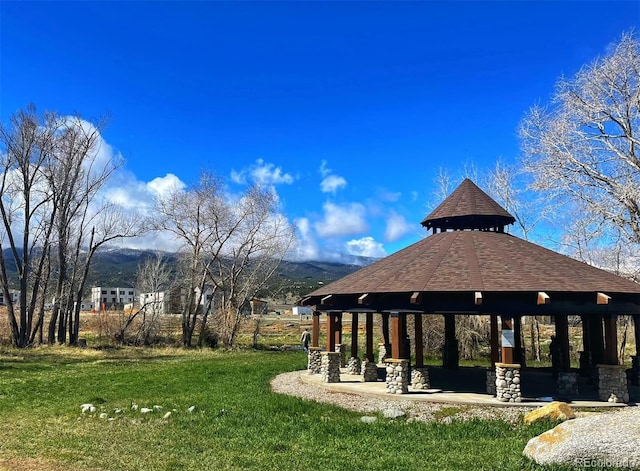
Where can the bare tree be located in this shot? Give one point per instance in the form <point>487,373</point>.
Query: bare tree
<point>582,147</point>
<point>52,175</point>
<point>154,279</point>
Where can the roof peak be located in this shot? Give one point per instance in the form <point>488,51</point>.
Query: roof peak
<point>468,207</point>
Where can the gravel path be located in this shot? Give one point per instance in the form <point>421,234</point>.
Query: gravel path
<point>292,384</point>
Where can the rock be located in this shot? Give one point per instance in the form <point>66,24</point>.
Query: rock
<point>104,415</point>
<point>192,408</point>
<point>393,413</point>
<point>145,410</point>
<point>367,419</point>
<point>554,411</point>
<point>87,408</point>
<point>598,441</point>
<point>167,415</point>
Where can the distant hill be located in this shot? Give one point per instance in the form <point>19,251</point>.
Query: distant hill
<point>117,267</point>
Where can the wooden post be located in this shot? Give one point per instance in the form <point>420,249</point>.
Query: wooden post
<point>369,335</point>
<point>507,340</point>
<point>585,358</point>
<point>398,335</point>
<point>518,354</point>
<point>354,335</point>
<point>331,331</point>
<point>385,329</point>
<point>338,330</point>
<point>495,340</point>
<point>450,354</point>
<point>562,339</point>
<point>315,330</point>
<point>419,341</point>
<point>610,340</point>
<point>596,335</point>
<point>636,330</point>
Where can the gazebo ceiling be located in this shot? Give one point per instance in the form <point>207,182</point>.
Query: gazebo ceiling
<point>479,270</point>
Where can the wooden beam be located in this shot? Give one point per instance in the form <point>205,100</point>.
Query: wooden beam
<point>543,298</point>
<point>416,298</point>
<point>325,299</point>
<point>602,298</point>
<point>478,298</point>
<point>363,299</point>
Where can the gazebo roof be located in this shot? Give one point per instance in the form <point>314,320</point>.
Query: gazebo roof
<point>468,207</point>
<point>479,271</point>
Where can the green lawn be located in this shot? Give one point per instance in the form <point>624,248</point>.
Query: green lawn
<point>237,422</point>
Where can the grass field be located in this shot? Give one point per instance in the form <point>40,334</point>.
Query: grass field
<point>237,422</point>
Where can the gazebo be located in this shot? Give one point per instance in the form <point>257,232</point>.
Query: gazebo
<point>469,265</point>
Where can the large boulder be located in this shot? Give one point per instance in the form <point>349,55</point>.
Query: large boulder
<point>554,411</point>
<point>598,441</point>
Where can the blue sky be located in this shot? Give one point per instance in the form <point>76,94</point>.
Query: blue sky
<point>348,109</point>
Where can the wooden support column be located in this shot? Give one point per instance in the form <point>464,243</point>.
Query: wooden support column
<point>596,336</point>
<point>338,331</point>
<point>369,336</point>
<point>495,341</point>
<point>518,354</point>
<point>419,340</point>
<point>585,357</point>
<point>315,329</point>
<point>332,318</point>
<point>636,330</point>
<point>450,355</point>
<point>354,335</point>
<point>385,329</point>
<point>398,335</point>
<point>610,340</point>
<point>507,340</point>
<point>562,340</point>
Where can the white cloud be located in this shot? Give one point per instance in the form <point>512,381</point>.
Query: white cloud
<point>397,226</point>
<point>366,247</point>
<point>332,183</point>
<point>164,185</point>
<point>340,220</point>
<point>324,171</point>
<point>263,173</point>
<point>306,246</point>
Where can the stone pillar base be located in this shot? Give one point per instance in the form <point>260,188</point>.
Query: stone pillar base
<point>612,383</point>
<point>383,351</point>
<point>369,371</point>
<point>634,372</point>
<point>341,349</point>
<point>314,364</point>
<point>420,377</point>
<point>330,367</point>
<point>353,366</point>
<point>567,383</point>
<point>508,382</point>
<point>491,381</point>
<point>397,376</point>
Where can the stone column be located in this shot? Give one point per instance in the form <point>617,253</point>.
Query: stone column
<point>508,382</point>
<point>314,365</point>
<point>383,353</point>
<point>567,383</point>
<point>420,377</point>
<point>612,383</point>
<point>341,349</point>
<point>369,371</point>
<point>491,381</point>
<point>397,376</point>
<point>330,369</point>
<point>354,366</point>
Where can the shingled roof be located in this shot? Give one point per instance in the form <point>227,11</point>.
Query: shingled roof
<point>468,207</point>
<point>452,266</point>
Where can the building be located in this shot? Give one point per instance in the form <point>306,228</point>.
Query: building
<point>105,297</point>
<point>15,296</point>
<point>165,302</point>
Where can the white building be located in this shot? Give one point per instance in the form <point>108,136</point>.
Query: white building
<point>164,302</point>
<point>15,296</point>
<point>154,303</point>
<point>105,297</point>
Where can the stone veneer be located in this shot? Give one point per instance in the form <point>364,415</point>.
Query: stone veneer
<point>341,349</point>
<point>634,372</point>
<point>353,366</point>
<point>369,371</point>
<point>420,377</point>
<point>491,381</point>
<point>314,363</point>
<point>567,382</point>
<point>612,383</point>
<point>397,376</point>
<point>508,382</point>
<point>330,369</point>
<point>382,353</point>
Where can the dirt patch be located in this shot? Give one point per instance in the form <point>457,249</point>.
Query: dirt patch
<point>29,464</point>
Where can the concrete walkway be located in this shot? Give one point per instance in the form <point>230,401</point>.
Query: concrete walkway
<point>466,385</point>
